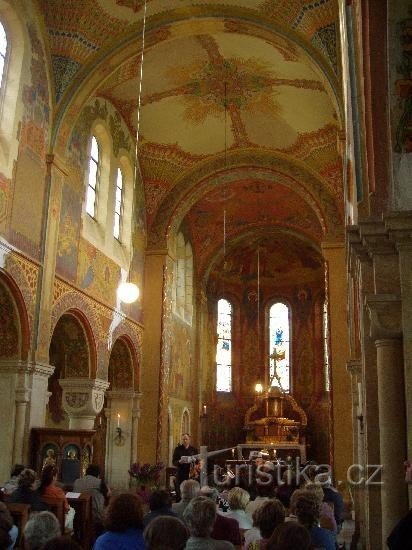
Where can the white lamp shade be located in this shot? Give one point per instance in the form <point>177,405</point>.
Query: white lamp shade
<point>128,292</point>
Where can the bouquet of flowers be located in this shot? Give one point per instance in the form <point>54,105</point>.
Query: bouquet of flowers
<point>146,474</point>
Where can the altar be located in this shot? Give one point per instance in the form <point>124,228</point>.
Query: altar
<point>274,427</point>
<point>281,453</point>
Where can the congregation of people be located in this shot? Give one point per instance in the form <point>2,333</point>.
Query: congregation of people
<point>205,517</point>
<point>263,516</point>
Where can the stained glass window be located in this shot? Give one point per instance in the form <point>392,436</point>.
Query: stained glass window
<point>118,205</point>
<point>3,51</point>
<point>279,358</point>
<point>91,193</point>
<point>224,346</point>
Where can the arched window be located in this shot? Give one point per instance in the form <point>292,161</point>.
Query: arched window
<point>279,346</point>
<point>3,52</point>
<point>118,205</point>
<point>224,346</point>
<point>93,178</point>
<point>184,279</point>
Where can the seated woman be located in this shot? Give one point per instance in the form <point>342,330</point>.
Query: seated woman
<point>308,509</point>
<point>238,499</point>
<point>25,492</point>
<point>265,519</point>
<point>124,522</point>
<point>48,485</point>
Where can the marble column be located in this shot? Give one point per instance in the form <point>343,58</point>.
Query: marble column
<point>23,400</point>
<point>385,313</point>
<point>82,400</point>
<point>399,226</point>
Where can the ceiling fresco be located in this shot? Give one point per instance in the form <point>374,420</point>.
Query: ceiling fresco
<point>220,215</point>
<point>229,89</point>
<point>280,257</point>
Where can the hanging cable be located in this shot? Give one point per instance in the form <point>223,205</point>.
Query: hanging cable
<point>127,291</point>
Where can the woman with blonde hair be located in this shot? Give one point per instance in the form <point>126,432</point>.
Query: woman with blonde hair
<point>238,499</point>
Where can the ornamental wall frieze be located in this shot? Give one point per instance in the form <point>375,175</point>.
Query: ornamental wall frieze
<point>25,274</point>
<point>133,332</point>
<point>66,298</point>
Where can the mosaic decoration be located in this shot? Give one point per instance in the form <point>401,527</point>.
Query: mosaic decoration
<point>25,274</point>
<point>283,208</point>
<point>97,109</point>
<point>325,40</point>
<point>64,70</point>
<point>36,96</point>
<point>120,367</point>
<point>5,191</point>
<point>9,322</point>
<point>181,361</point>
<point>165,367</point>
<point>76,351</point>
<point>69,234</point>
<point>77,146</point>
<point>403,87</point>
<point>97,273</point>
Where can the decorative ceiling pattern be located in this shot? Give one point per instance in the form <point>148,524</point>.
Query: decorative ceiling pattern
<point>240,98</point>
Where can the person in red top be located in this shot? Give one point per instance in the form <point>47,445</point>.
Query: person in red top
<point>48,485</point>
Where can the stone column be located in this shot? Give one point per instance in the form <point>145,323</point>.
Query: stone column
<point>385,313</point>
<point>368,498</point>
<point>334,254</point>
<point>399,225</point>
<point>22,400</point>
<point>82,400</point>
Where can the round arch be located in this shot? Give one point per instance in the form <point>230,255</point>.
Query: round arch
<point>13,310</point>
<point>273,167</point>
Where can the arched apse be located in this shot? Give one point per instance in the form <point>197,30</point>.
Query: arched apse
<point>72,356</point>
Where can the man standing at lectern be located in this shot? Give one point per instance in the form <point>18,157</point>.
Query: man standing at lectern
<point>183,464</point>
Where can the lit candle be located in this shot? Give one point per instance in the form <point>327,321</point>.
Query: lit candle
<point>204,409</point>
<point>118,420</point>
<point>233,453</point>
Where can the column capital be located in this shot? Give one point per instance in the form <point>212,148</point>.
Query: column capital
<point>385,315</point>
<point>355,246</point>
<point>375,238</point>
<point>354,367</point>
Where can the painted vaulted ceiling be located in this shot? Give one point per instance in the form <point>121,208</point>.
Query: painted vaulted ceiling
<point>240,112</point>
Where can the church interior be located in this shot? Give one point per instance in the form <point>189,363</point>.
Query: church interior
<point>247,166</point>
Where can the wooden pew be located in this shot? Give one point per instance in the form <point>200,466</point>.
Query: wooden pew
<point>83,520</point>
<point>20,514</point>
<point>56,506</point>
